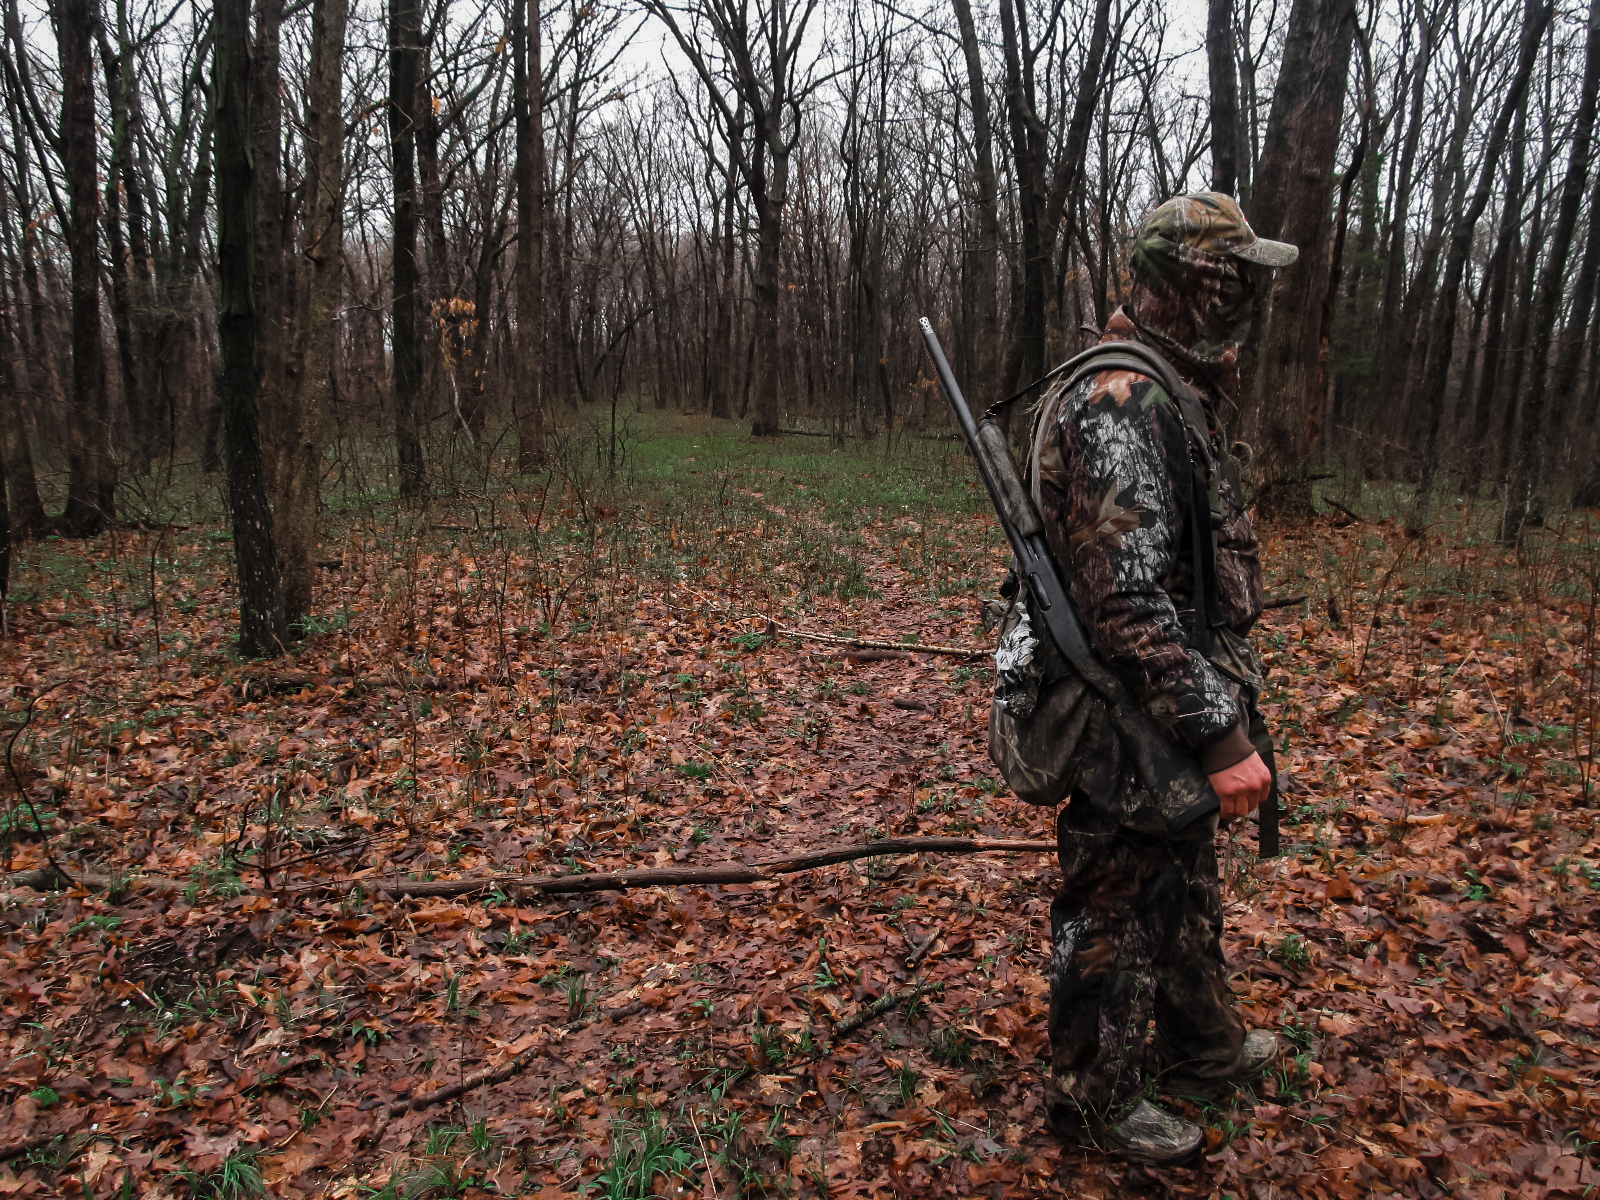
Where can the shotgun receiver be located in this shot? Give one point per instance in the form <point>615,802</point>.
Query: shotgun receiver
<point>1168,771</point>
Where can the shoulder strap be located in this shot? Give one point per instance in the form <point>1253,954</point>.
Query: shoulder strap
<point>1205,507</point>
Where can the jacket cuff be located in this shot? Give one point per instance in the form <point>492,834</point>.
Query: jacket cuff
<point>1231,748</point>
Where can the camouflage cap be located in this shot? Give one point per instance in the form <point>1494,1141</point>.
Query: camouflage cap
<point>1210,223</point>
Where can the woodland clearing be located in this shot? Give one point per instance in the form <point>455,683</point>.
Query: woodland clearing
<point>588,672</point>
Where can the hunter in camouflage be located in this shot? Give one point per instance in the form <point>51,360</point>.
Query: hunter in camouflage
<point>1138,922</point>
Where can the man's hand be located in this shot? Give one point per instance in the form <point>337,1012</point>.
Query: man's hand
<point>1242,787</point>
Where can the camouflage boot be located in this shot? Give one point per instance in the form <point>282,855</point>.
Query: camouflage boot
<point>1153,1136</point>
<point>1259,1051</point>
<point>1148,1134</point>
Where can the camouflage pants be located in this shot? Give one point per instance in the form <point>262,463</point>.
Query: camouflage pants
<point>1136,932</point>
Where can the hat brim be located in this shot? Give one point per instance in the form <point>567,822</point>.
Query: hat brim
<point>1268,253</point>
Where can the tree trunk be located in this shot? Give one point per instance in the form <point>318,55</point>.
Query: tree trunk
<point>25,513</point>
<point>129,356</point>
<point>1092,87</point>
<point>1525,493</point>
<point>1484,459</point>
<point>765,331</point>
<point>261,624</point>
<point>92,471</point>
<point>1319,397</point>
<point>723,371</point>
<point>20,511</point>
<point>1566,382</point>
<point>1224,97</point>
<point>405,47</point>
<point>1292,203</point>
<point>527,106</point>
<point>980,264</point>
<point>130,264</point>
<point>1025,352</point>
<point>272,309</point>
<point>318,282</point>
<point>436,289</point>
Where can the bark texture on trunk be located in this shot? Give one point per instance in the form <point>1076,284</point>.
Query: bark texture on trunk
<point>310,395</point>
<point>1487,455</point>
<point>527,106</point>
<point>1224,97</point>
<point>261,624</point>
<point>1393,359</point>
<point>1293,203</point>
<point>405,47</point>
<point>91,467</point>
<point>273,315</point>
<point>128,305</point>
<point>981,265</point>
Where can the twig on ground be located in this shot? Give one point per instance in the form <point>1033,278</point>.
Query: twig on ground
<point>488,1076</point>
<point>871,1012</point>
<point>1285,602</point>
<point>882,1005</point>
<point>50,879</point>
<point>22,791</point>
<point>920,950</point>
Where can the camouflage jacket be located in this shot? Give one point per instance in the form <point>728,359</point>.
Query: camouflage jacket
<point>1114,482</point>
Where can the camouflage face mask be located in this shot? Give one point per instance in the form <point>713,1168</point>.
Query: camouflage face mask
<point>1195,265</point>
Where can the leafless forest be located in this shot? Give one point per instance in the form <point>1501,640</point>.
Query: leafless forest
<point>539,387</point>
<point>249,238</point>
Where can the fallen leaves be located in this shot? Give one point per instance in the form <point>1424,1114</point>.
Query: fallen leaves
<point>234,978</point>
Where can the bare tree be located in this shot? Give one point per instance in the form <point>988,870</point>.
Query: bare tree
<point>405,50</point>
<point>1224,96</point>
<point>527,105</point>
<point>310,390</point>
<point>1292,203</point>
<point>1525,498</point>
<point>91,495</point>
<point>261,622</point>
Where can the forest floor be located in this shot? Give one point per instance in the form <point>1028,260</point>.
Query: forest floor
<point>579,676</point>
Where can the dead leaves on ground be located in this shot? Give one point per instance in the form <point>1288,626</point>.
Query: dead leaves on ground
<point>1428,946</point>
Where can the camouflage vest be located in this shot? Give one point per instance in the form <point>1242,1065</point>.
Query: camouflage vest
<point>1049,732</point>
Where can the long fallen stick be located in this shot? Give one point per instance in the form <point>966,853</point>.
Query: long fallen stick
<point>618,881</point>
<point>876,644</point>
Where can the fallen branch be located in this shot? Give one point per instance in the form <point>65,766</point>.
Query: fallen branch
<point>38,1141</point>
<point>282,683</point>
<point>874,644</point>
<point>882,1005</point>
<point>1285,602</point>
<point>49,879</point>
<point>618,881</point>
<point>921,949</point>
<point>487,1077</point>
<point>1349,512</point>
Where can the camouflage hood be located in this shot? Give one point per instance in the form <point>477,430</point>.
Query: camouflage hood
<point>1195,269</point>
